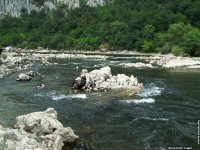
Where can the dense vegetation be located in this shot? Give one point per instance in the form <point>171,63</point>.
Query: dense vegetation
<point>144,25</point>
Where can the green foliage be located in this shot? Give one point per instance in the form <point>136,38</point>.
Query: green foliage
<point>147,46</point>
<point>170,26</point>
<point>177,50</point>
<point>180,39</point>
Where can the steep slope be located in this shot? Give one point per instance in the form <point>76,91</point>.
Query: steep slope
<point>15,7</point>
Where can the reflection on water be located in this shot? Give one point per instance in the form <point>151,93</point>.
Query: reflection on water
<point>164,114</point>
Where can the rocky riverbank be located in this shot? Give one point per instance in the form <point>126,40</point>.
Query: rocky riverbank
<point>13,60</point>
<point>38,130</point>
<point>171,61</point>
<point>149,60</point>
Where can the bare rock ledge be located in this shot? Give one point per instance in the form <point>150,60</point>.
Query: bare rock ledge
<point>38,130</point>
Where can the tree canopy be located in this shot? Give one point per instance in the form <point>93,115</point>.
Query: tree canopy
<point>166,26</point>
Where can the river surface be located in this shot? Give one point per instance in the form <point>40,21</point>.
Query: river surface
<point>164,115</point>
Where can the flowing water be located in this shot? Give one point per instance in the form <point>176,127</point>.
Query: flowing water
<point>165,114</point>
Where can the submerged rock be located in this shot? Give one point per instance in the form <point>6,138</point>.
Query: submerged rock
<point>38,130</point>
<point>103,80</point>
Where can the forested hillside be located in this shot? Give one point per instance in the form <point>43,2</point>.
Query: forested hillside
<point>145,25</point>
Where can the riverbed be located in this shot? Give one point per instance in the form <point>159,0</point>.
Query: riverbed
<point>165,114</point>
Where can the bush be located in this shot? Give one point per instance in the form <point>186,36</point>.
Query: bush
<point>147,46</point>
<point>177,50</point>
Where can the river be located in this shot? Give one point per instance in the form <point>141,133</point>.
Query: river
<point>164,115</point>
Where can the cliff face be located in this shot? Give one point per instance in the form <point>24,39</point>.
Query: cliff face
<point>15,7</point>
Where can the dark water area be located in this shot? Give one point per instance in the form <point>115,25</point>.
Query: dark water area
<point>164,115</point>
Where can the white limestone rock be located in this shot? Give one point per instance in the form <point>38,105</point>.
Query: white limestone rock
<point>181,62</point>
<point>136,65</point>
<point>38,130</point>
<point>102,79</point>
<point>42,123</point>
<point>28,76</point>
<point>23,77</point>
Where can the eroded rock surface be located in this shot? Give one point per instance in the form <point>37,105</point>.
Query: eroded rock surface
<point>38,130</point>
<point>102,79</point>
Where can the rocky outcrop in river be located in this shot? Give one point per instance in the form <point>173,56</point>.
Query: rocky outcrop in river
<point>102,80</point>
<point>38,130</point>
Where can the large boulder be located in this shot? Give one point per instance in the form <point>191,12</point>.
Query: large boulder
<point>38,130</point>
<point>102,79</point>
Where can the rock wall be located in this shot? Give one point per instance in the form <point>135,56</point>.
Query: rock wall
<point>15,7</point>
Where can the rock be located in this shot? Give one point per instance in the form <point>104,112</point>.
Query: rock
<point>137,65</point>
<point>170,61</point>
<point>79,83</point>
<point>102,79</point>
<point>43,123</point>
<point>41,86</point>
<point>23,77</point>
<point>9,49</point>
<point>28,76</point>
<point>33,74</point>
<point>38,130</point>
<point>180,62</point>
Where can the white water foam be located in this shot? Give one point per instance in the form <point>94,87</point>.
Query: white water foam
<point>55,96</point>
<point>58,97</point>
<point>155,119</point>
<point>138,101</point>
<point>80,96</point>
<point>151,91</point>
<point>38,95</point>
<point>73,96</point>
